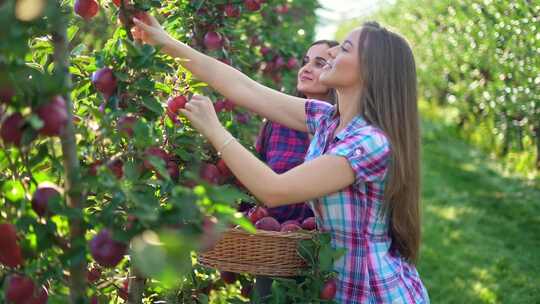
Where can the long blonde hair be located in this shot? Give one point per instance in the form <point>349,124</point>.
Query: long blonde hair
<point>389,102</point>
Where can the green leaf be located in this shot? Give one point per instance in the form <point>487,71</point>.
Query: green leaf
<point>13,190</point>
<point>152,104</point>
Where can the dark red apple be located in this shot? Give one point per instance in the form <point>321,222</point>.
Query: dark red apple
<point>87,9</point>
<point>10,252</point>
<point>223,169</point>
<point>6,94</point>
<point>292,63</point>
<point>232,11</point>
<point>22,290</point>
<point>252,5</point>
<point>329,289</point>
<point>265,51</point>
<point>105,81</point>
<point>117,168</point>
<point>123,292</point>
<point>282,9</point>
<point>243,118</point>
<point>11,131</point>
<point>213,40</point>
<point>125,125</point>
<point>291,222</point>
<point>229,105</point>
<point>256,213</point>
<point>268,223</point>
<point>228,277</point>
<point>54,116</point>
<point>290,227</point>
<point>93,168</point>
<point>41,197</point>
<point>156,152</point>
<point>118,3</point>
<point>309,223</point>
<point>219,105</point>
<point>279,62</point>
<point>210,173</point>
<point>174,104</point>
<point>173,170</point>
<point>93,275</point>
<point>105,250</point>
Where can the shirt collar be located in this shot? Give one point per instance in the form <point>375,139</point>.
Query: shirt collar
<point>356,123</point>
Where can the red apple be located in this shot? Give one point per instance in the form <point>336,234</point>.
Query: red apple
<point>309,223</point>
<point>292,63</point>
<point>93,275</point>
<point>265,51</point>
<point>210,173</point>
<point>105,81</point>
<point>40,199</point>
<point>213,40</point>
<point>256,213</point>
<point>22,290</point>
<point>282,9</point>
<point>223,169</point>
<point>228,277</point>
<point>125,125</point>
<point>174,104</point>
<point>232,11</point>
<point>123,292</point>
<point>93,168</point>
<point>290,227</point>
<point>173,170</point>
<point>54,116</point>
<point>11,131</point>
<point>156,152</point>
<point>118,3</point>
<point>10,252</point>
<point>229,105</point>
<point>117,168</point>
<point>219,105</point>
<point>6,94</point>
<point>106,251</point>
<point>295,222</point>
<point>87,9</point>
<point>252,5</point>
<point>329,289</point>
<point>268,223</point>
<point>242,118</point>
<point>279,62</point>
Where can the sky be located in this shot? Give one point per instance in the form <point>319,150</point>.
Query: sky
<point>335,11</point>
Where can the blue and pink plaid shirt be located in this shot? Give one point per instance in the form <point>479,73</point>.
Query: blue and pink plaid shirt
<point>283,149</point>
<point>370,271</point>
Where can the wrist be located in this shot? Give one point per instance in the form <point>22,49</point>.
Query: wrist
<point>218,136</point>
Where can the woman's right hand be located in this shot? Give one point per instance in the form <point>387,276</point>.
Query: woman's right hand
<point>150,31</point>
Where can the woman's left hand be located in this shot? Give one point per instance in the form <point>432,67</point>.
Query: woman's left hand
<point>200,111</point>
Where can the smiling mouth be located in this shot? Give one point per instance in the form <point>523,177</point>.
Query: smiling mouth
<point>305,78</point>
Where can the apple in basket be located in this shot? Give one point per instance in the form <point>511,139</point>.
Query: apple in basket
<point>268,223</point>
<point>257,213</point>
<point>290,226</point>
<point>309,224</point>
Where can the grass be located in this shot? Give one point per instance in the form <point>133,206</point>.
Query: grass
<point>481,228</point>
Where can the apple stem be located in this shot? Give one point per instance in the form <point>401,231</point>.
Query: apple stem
<point>73,193</point>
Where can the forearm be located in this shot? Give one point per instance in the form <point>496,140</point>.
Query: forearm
<point>255,175</point>
<point>239,88</point>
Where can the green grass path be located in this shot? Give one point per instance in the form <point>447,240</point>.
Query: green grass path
<point>481,229</point>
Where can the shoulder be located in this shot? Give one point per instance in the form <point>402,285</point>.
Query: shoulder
<point>319,108</point>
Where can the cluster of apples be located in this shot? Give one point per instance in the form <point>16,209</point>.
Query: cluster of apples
<point>262,220</point>
<point>52,113</point>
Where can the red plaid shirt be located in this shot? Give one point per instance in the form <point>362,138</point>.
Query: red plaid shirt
<point>283,149</point>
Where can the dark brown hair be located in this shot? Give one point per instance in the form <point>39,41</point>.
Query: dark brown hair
<point>332,96</point>
<point>389,102</point>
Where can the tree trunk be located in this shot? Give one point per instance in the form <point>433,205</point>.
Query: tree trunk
<point>72,190</point>
<point>537,138</point>
<point>136,287</point>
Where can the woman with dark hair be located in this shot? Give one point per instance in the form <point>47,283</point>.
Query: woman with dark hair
<point>282,148</point>
<point>362,168</point>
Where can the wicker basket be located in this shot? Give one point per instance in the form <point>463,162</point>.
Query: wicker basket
<point>263,253</point>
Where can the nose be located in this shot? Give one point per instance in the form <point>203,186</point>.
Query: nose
<point>333,51</point>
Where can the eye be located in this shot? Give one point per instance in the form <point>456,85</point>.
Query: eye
<point>343,49</point>
<point>305,61</point>
<point>320,63</point>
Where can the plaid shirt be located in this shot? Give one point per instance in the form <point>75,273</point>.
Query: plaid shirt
<point>283,149</point>
<point>370,271</point>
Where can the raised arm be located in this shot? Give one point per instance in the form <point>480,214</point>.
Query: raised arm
<point>231,83</point>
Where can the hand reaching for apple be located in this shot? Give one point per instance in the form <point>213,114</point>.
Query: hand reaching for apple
<point>150,31</point>
<point>200,111</point>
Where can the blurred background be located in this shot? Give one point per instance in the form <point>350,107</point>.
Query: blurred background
<point>478,66</point>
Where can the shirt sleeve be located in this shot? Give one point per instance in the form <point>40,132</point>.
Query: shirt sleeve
<point>368,155</point>
<point>316,111</point>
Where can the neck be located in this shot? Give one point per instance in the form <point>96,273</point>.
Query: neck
<point>323,97</point>
<point>348,104</point>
